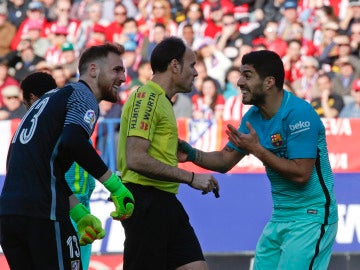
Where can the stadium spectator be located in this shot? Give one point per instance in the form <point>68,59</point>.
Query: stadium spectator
<point>230,39</point>
<point>271,13</point>
<point>202,74</point>
<point>209,103</point>
<point>35,12</point>
<point>328,105</point>
<point>5,78</point>
<point>7,30</point>
<point>114,29</point>
<point>131,61</point>
<point>40,43</point>
<point>182,105</point>
<point>244,49</point>
<point>79,10</point>
<point>23,61</point>
<point>352,16</point>
<point>17,11</point>
<point>188,35</point>
<point>342,43</point>
<point>131,38</point>
<point>148,45</point>
<point>355,39</point>
<point>94,11</point>
<point>292,60</point>
<point>352,109</point>
<point>13,107</point>
<point>110,5</point>
<point>234,108</point>
<point>69,60</point>
<point>231,78</point>
<point>326,47</point>
<point>344,78</point>
<point>60,76</point>
<point>97,36</point>
<point>63,19</point>
<point>210,6</point>
<point>305,87</point>
<point>53,54</point>
<point>44,67</point>
<point>307,45</point>
<point>195,18</point>
<point>154,13</point>
<point>216,62</point>
<point>270,39</point>
<point>143,75</point>
<point>289,12</point>
<point>213,20</point>
<point>49,9</point>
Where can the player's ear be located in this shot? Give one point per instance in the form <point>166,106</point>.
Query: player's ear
<point>269,82</point>
<point>175,66</point>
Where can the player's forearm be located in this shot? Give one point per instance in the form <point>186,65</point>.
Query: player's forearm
<point>76,143</point>
<point>150,167</point>
<point>292,170</point>
<point>213,161</point>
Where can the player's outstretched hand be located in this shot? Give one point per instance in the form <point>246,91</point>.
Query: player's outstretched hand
<point>121,197</point>
<point>89,226</point>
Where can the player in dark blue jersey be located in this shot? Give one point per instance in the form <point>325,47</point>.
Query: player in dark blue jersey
<point>287,135</point>
<point>35,228</point>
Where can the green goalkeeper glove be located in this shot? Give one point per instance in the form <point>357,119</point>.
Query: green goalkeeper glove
<point>188,149</point>
<point>121,197</point>
<point>89,226</point>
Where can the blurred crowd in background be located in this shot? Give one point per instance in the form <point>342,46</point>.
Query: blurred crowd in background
<point>318,40</point>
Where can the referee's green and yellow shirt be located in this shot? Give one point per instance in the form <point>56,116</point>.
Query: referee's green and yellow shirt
<point>149,114</point>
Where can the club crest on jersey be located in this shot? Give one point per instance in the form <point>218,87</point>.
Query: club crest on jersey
<point>89,117</point>
<point>75,265</point>
<point>276,140</point>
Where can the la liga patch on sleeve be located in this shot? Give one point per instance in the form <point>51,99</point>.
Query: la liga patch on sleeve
<point>89,118</point>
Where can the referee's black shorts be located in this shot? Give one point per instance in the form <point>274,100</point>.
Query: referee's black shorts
<point>39,244</point>
<point>158,234</point>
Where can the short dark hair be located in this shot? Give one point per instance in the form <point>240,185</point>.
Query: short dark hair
<point>37,83</point>
<point>168,49</point>
<point>266,63</point>
<point>98,52</point>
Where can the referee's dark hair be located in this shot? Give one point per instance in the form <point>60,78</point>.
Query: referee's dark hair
<point>164,52</point>
<point>37,83</point>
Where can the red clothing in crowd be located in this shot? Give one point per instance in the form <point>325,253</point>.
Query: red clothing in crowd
<point>113,29</point>
<point>278,45</point>
<point>23,29</point>
<point>8,81</point>
<point>204,109</point>
<point>72,29</point>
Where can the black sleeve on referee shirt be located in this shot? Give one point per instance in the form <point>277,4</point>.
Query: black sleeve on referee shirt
<point>75,142</point>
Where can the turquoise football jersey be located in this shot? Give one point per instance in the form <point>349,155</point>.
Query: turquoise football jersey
<point>296,132</point>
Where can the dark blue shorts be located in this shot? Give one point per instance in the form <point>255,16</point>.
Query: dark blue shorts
<point>39,244</point>
<point>158,234</point>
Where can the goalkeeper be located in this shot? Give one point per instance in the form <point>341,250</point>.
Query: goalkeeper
<point>35,229</point>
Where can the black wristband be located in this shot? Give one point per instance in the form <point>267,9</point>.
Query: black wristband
<point>192,179</point>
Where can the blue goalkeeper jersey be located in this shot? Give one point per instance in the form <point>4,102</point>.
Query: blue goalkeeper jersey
<point>36,164</point>
<point>295,132</point>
